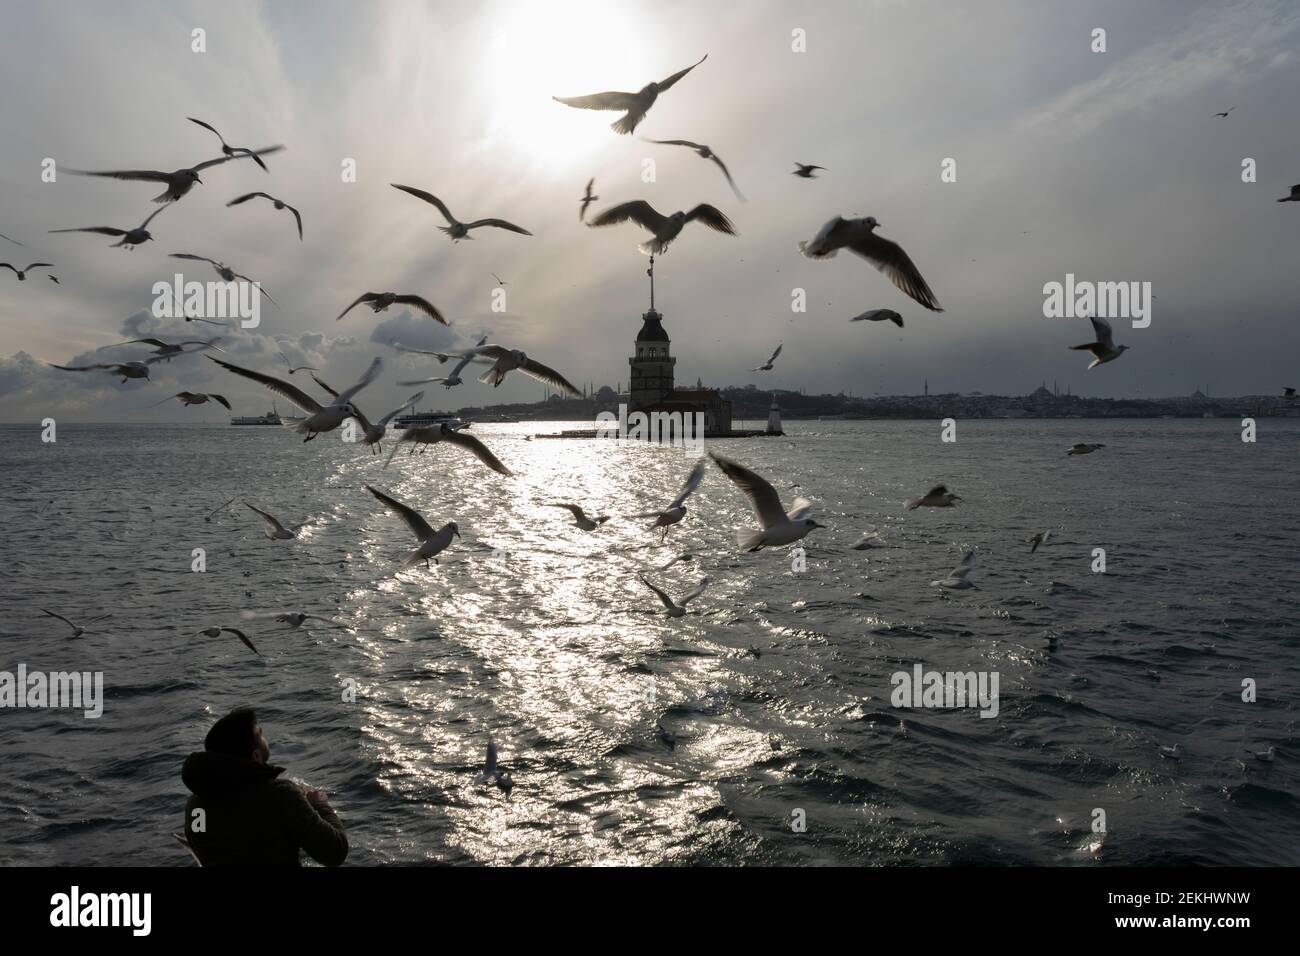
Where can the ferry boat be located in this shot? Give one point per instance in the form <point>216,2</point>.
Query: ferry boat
<point>422,419</point>
<point>270,418</point>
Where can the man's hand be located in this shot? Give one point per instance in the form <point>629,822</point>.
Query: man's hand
<point>317,798</point>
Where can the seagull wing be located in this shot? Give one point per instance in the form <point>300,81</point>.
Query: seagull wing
<point>429,198</point>
<point>324,386</point>
<point>896,266</point>
<point>965,568</point>
<point>762,496</point>
<point>102,230</point>
<point>612,100</point>
<point>419,527</point>
<point>36,265</point>
<point>776,353</point>
<point>252,153</point>
<point>297,216</point>
<point>551,377</point>
<point>61,618</point>
<point>688,488</point>
<point>639,211</point>
<point>270,519</point>
<point>712,217</point>
<point>397,411</point>
<point>726,172</point>
<point>424,305</point>
<point>665,85</point>
<point>145,224</point>
<point>281,388</point>
<point>158,342</point>
<point>220,398</point>
<point>5,265</point>
<point>574,510</point>
<point>699,589</point>
<point>246,197</point>
<point>146,175</point>
<point>663,597</point>
<point>1104,334</point>
<point>364,297</point>
<point>799,510</point>
<point>186,255</point>
<point>370,375</point>
<point>208,126</point>
<point>480,450</point>
<point>500,224</point>
<point>675,142</point>
<point>243,637</point>
<point>937,490</point>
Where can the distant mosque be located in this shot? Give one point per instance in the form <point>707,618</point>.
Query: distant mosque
<point>650,387</point>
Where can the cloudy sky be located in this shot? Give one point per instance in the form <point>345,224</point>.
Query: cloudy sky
<point>1107,165</point>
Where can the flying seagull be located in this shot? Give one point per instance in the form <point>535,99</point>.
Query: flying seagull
<point>676,509</point>
<point>586,200</point>
<point>217,631</point>
<point>504,361</point>
<point>1103,350</point>
<point>274,529</point>
<point>1083,448</point>
<point>704,152</point>
<point>299,368</point>
<point>1225,113</point>
<point>449,381</point>
<point>1294,196</point>
<point>491,772</point>
<point>779,527</point>
<point>196,398</point>
<point>767,366</point>
<point>227,274</point>
<point>879,315</point>
<point>130,237</point>
<point>22,273</point>
<point>805,172</point>
<point>432,542</point>
<point>125,369</point>
<point>179,181</point>
<point>231,152</point>
<point>76,630</point>
<point>434,434</point>
<point>166,351</point>
<point>869,540</point>
<point>1036,540</point>
<point>635,105</point>
<point>319,418</point>
<point>373,434</point>
<point>455,228</point>
<point>1288,393</point>
<point>664,228</point>
<point>380,301</point>
<point>580,517</point>
<point>958,577</point>
<point>888,257</point>
<point>674,609</point>
<point>296,618</point>
<point>208,517</point>
<point>937,497</point>
<point>278,203</point>
<point>500,281</point>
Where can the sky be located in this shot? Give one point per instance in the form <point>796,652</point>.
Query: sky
<point>1106,165</point>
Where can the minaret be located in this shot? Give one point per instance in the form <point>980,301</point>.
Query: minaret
<point>652,363</point>
<point>774,418</point>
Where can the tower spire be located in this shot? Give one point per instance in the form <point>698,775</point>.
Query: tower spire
<point>651,273</point>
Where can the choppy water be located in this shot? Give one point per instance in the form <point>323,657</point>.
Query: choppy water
<point>636,739</point>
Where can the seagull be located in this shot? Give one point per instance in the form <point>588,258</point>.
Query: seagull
<point>580,518</point>
<point>1103,350</point>
<point>227,274</point>
<point>216,632</point>
<point>767,366</point>
<point>130,237</point>
<point>937,497</point>
<point>676,610</point>
<point>233,151</point>
<point>300,368</point>
<point>449,381</point>
<point>1172,753</point>
<point>636,104</point>
<point>125,369</point>
<point>1225,113</point>
<point>456,229</point>
<point>888,257</point>
<point>586,200</point>
<point>380,301</point>
<point>500,281</point>
<point>374,433</point>
<point>879,315</point>
<point>433,434</point>
<point>296,618</point>
<point>166,351</point>
<point>1083,448</point>
<point>22,273</point>
<point>957,577</point>
<point>278,203</point>
<point>320,418</point>
<point>179,181</point>
<point>1294,196</point>
<point>1265,755</point>
<point>490,771</point>
<point>208,518</point>
<point>196,398</point>
<point>704,152</point>
<point>274,529</point>
<point>664,228</point>
<point>676,509</point>
<point>432,542</point>
<point>675,559</point>
<point>77,631</point>
<point>1288,393</point>
<point>506,360</point>
<point>869,540</point>
<point>1036,540</point>
<point>779,527</point>
<point>806,172</point>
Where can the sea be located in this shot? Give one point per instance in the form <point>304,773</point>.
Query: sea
<point>1144,655</point>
